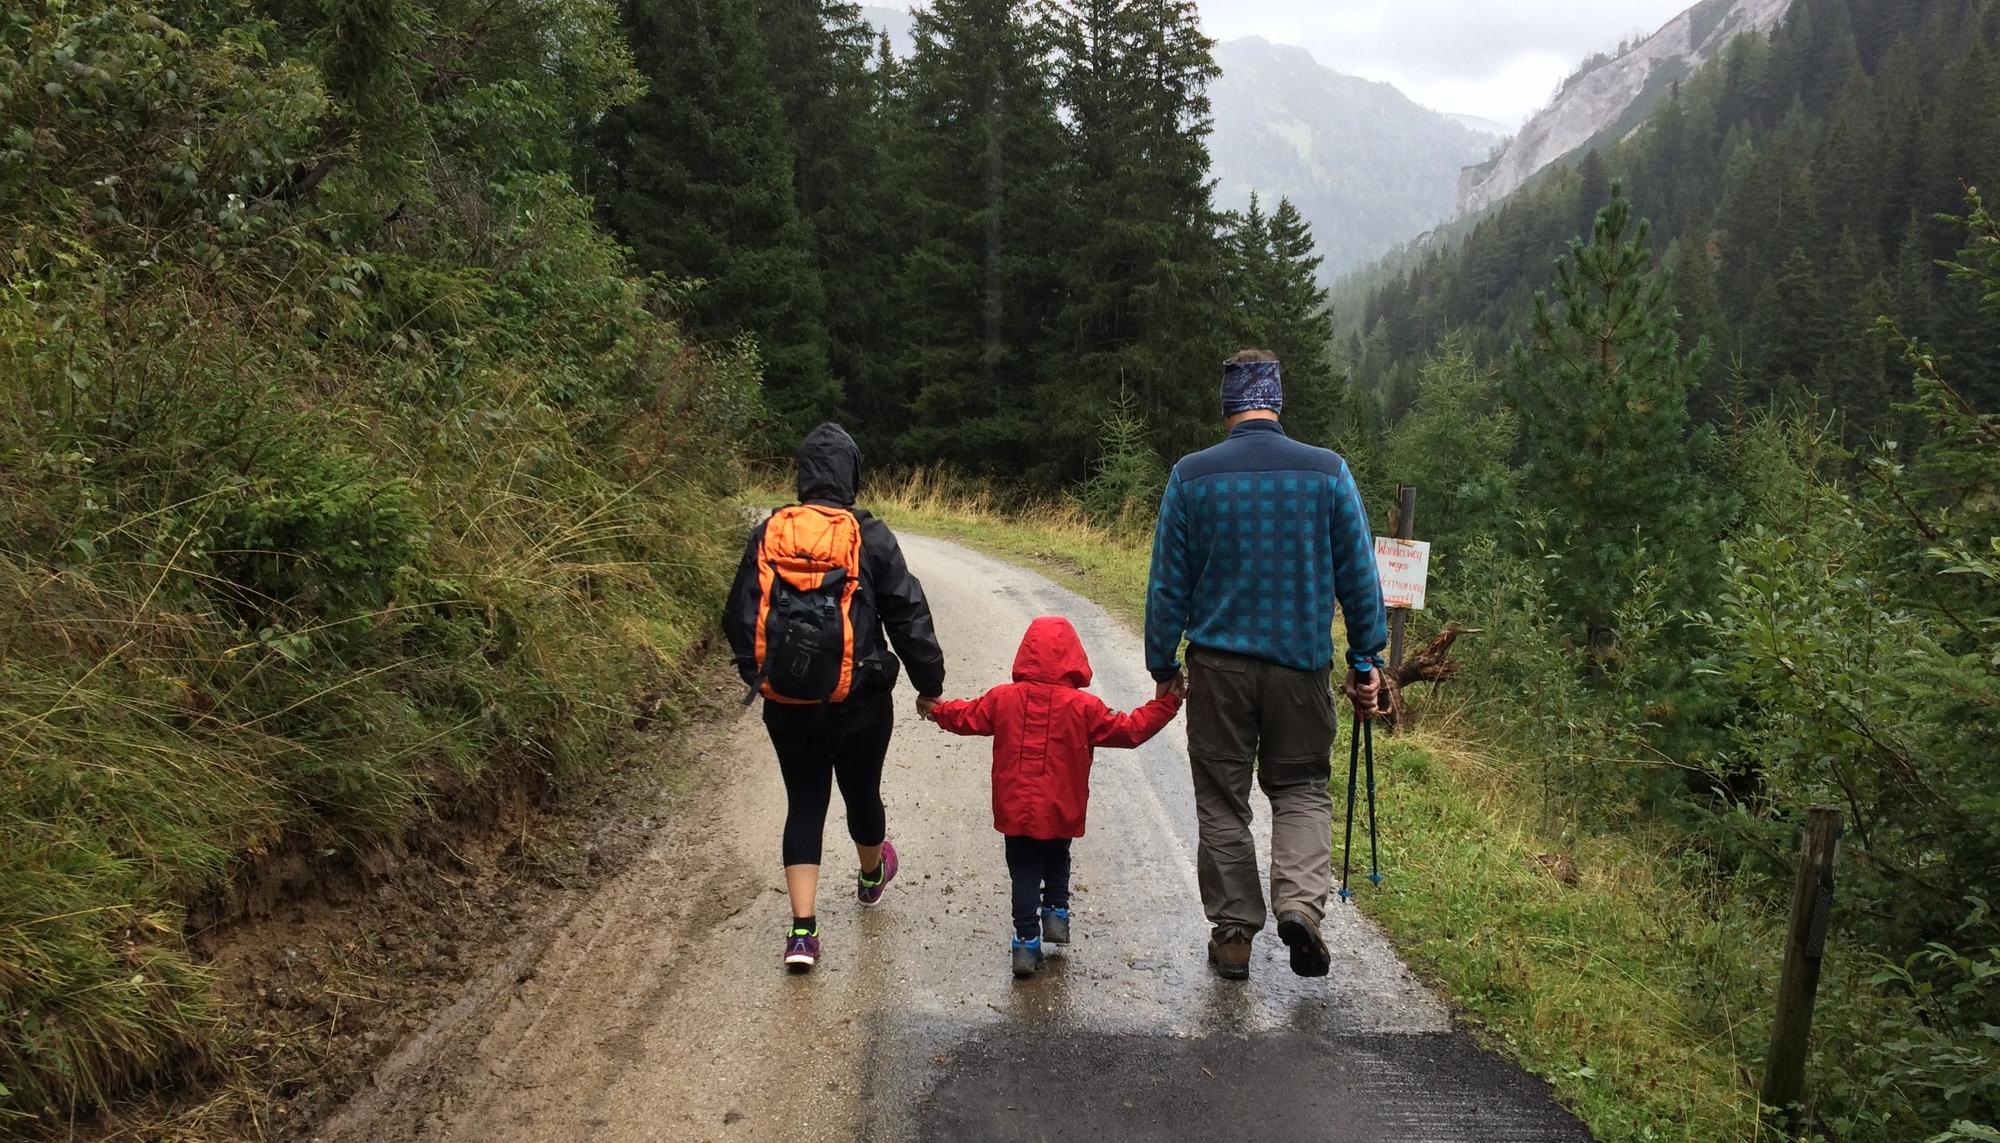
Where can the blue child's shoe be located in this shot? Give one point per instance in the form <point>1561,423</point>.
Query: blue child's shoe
<point>1055,926</point>
<point>1028,957</point>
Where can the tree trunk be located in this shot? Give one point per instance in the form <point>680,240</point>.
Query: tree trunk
<point>1433,664</point>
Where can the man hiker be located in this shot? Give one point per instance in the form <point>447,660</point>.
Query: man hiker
<point>1257,538</point>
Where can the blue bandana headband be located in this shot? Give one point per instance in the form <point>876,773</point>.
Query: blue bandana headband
<point>1248,385</point>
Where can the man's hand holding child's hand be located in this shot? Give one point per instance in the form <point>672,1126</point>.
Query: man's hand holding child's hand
<point>926,704</point>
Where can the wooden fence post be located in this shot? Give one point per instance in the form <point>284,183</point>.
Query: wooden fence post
<point>1805,946</point>
<point>1405,529</point>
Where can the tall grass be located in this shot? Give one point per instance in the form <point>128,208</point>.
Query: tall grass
<point>1591,957</point>
<point>197,670</point>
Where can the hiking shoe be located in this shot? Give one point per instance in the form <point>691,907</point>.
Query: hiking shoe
<point>870,893</point>
<point>1028,957</point>
<point>1230,957</point>
<point>1309,954</point>
<point>1055,926</point>
<point>801,950</point>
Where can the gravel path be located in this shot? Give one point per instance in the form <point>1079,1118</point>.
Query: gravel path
<point>656,1009</point>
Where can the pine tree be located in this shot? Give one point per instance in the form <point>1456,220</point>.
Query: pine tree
<point>1593,186</point>
<point>1790,326</point>
<point>1127,477</point>
<point>1833,56</point>
<point>1377,357</point>
<point>1278,303</point>
<point>1602,392</point>
<point>1700,308</point>
<point>1304,329</point>
<point>1456,446</point>
<point>697,178</point>
<point>1852,368</point>
<point>1847,178</point>
<point>978,289</point>
<point>868,328</point>
<point>1248,249</point>
<point>1144,299</point>
<point>1913,281</point>
<point>820,55</point>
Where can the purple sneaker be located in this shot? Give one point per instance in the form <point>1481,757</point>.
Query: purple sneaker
<point>801,950</point>
<point>871,895</point>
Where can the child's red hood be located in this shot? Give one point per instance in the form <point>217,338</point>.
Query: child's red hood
<point>1051,653</point>
<point>1045,727</point>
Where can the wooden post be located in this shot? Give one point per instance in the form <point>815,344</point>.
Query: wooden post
<point>1405,529</point>
<point>1805,946</point>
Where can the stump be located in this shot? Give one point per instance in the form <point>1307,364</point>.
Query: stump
<point>1433,664</point>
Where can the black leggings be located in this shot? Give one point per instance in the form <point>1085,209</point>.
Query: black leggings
<point>816,748</point>
<point>1040,872</point>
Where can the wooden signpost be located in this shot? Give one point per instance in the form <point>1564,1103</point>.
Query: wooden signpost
<point>1404,567</point>
<point>1805,948</point>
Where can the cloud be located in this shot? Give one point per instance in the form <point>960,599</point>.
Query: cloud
<point>1501,60</point>
<point>1498,58</point>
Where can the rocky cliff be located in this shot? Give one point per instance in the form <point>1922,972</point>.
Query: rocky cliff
<point>1612,95</point>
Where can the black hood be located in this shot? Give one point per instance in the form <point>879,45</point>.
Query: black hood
<point>829,466</point>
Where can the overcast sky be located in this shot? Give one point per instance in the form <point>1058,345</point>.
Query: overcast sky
<point>1495,58</point>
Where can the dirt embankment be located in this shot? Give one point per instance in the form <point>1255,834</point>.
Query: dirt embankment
<point>325,966</point>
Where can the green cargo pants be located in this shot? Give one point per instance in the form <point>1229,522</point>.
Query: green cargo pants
<point>1246,715</point>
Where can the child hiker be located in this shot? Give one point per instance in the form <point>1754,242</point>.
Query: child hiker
<point>1044,728</point>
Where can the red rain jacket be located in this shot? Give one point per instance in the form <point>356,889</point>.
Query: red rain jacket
<point>1044,728</point>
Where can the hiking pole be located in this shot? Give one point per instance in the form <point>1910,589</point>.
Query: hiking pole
<point>1374,860</point>
<point>1353,771</point>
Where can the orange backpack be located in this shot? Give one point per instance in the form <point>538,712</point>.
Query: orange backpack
<point>808,571</point>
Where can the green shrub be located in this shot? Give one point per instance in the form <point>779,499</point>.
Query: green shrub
<point>320,506</point>
<point>1836,646</point>
<point>1127,480</point>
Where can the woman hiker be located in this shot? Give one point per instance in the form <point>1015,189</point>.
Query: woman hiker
<point>820,598</point>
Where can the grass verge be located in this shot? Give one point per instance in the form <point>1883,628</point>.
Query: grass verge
<point>1573,955</point>
<point>1598,986</point>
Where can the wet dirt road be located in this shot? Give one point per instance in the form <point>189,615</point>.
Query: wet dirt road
<point>657,1010</point>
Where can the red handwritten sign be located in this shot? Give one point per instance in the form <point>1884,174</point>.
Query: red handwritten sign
<point>1405,567</point>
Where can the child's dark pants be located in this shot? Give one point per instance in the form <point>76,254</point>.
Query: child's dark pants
<point>1040,870</point>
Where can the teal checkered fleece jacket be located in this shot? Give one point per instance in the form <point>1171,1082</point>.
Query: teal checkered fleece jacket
<point>1258,538</point>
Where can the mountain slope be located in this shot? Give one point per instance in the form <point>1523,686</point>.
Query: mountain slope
<point>1482,124</point>
<point>1366,165</point>
<point>1794,187</point>
<point>1611,96</point>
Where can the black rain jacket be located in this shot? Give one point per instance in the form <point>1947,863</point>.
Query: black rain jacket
<point>891,600</point>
